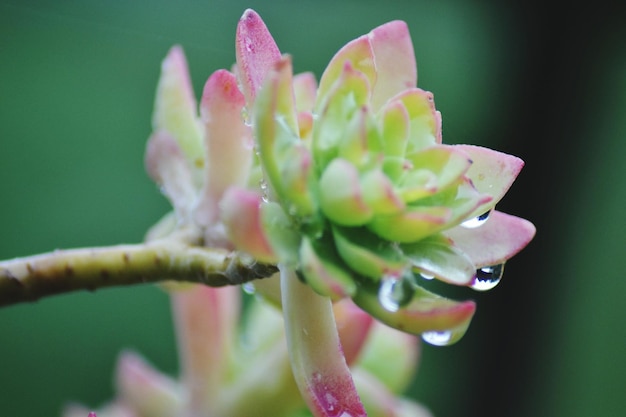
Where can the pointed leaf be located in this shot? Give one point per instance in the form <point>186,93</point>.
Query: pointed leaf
<point>379,193</point>
<point>318,364</point>
<point>394,59</point>
<point>168,168</point>
<point>228,142</point>
<point>241,214</point>
<point>353,325</point>
<point>446,163</point>
<point>437,256</point>
<point>147,390</point>
<point>426,312</point>
<point>341,197</point>
<point>256,53</point>
<point>367,254</point>
<point>391,356</point>
<point>500,238</point>
<point>425,123</point>
<point>175,107</point>
<point>283,236</point>
<point>305,91</point>
<point>276,126</point>
<point>359,55</point>
<point>347,96</point>
<point>492,173</point>
<point>324,272</point>
<point>412,224</point>
<point>205,321</point>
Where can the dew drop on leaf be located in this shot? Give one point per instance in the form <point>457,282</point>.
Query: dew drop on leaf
<point>394,292</point>
<point>476,221</point>
<point>426,275</point>
<point>437,338</point>
<point>487,277</point>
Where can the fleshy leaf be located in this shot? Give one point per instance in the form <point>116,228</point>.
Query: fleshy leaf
<point>426,312</point>
<point>276,129</point>
<point>228,142</point>
<point>241,214</point>
<point>380,194</point>
<point>425,123</point>
<point>175,107</point>
<point>492,173</point>
<point>167,166</point>
<point>367,254</point>
<point>394,59</point>
<point>437,256</point>
<point>353,326</point>
<point>348,95</point>
<point>305,91</point>
<point>318,364</point>
<point>323,271</point>
<point>391,356</point>
<point>498,239</point>
<point>256,53</point>
<point>281,233</point>
<point>412,224</point>
<point>341,197</point>
<point>206,320</point>
<point>446,165</point>
<point>395,125</point>
<point>359,56</point>
<point>150,392</point>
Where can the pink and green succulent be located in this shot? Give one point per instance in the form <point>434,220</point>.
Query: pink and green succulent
<point>346,186</point>
<point>361,198</point>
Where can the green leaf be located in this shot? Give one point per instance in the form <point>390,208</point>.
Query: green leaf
<point>367,253</point>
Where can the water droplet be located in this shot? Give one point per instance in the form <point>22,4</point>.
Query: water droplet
<point>248,288</point>
<point>437,338</point>
<point>426,275</point>
<point>476,221</point>
<point>487,277</point>
<point>264,190</point>
<point>394,292</point>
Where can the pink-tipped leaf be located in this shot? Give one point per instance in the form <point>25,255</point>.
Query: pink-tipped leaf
<point>148,391</point>
<point>498,239</point>
<point>394,59</point>
<point>256,53</point>
<point>175,108</point>
<point>228,142</point>
<point>318,364</point>
<point>240,212</point>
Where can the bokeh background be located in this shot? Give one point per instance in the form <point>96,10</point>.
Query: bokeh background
<point>77,81</point>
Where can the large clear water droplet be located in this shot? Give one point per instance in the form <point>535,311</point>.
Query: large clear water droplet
<point>437,338</point>
<point>476,221</point>
<point>487,277</point>
<point>394,292</point>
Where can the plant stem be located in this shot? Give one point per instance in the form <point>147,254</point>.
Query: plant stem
<point>61,271</point>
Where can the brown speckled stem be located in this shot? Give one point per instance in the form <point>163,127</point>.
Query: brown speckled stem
<point>62,271</point>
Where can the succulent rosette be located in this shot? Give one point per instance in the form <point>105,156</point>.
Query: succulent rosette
<point>360,196</point>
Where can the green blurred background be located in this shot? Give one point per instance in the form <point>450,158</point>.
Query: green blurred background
<point>77,81</point>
